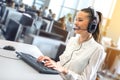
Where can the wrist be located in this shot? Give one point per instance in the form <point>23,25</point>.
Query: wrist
<point>65,71</point>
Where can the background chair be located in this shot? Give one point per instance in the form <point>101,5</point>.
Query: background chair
<point>61,49</point>
<point>112,53</point>
<point>59,31</point>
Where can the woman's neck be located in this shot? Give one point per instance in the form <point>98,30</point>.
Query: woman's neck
<point>84,38</point>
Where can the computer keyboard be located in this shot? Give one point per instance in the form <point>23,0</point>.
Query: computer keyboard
<point>32,61</point>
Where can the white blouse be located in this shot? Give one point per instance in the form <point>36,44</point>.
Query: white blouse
<point>82,60</point>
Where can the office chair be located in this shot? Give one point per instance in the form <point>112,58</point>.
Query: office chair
<point>60,51</point>
<point>59,31</point>
<point>12,30</point>
<point>58,24</point>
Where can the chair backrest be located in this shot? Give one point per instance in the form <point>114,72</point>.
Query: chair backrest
<point>12,30</point>
<point>116,66</point>
<point>110,57</point>
<point>58,24</point>
<point>60,51</point>
<point>58,30</point>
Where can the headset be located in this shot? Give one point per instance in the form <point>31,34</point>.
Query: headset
<point>94,22</point>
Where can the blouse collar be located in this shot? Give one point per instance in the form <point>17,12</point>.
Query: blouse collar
<point>90,41</point>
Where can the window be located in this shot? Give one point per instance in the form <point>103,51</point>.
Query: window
<point>30,2</point>
<point>71,3</point>
<point>106,8</point>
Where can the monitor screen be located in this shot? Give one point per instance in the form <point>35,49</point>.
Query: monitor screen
<point>26,20</point>
<point>50,35</point>
<point>11,30</point>
<point>46,24</point>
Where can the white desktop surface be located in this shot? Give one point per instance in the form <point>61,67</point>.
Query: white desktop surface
<point>21,47</point>
<point>12,69</point>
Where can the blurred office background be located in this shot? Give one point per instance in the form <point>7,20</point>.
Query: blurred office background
<point>48,24</point>
<point>67,8</point>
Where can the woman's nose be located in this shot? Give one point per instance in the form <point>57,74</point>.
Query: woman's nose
<point>75,22</point>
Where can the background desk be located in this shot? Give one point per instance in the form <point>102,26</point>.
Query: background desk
<point>11,69</point>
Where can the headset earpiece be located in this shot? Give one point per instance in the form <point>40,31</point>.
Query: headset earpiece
<point>93,23</point>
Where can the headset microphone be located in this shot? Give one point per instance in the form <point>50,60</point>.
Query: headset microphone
<point>78,28</point>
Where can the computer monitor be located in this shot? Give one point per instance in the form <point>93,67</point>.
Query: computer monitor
<point>12,30</point>
<point>4,14</point>
<point>50,35</point>
<point>46,24</point>
<point>10,13</point>
<point>26,20</point>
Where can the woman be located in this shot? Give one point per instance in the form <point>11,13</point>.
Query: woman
<point>83,54</point>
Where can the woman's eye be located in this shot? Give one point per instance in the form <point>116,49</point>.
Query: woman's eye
<point>80,20</point>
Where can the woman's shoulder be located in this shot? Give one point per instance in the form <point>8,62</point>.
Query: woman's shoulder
<point>99,46</point>
<point>94,44</point>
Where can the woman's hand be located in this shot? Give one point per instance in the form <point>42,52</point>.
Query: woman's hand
<point>43,58</point>
<point>52,64</point>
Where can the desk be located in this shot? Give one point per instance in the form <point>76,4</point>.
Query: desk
<point>11,69</point>
<point>21,47</point>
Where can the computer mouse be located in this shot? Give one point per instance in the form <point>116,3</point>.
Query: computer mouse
<point>9,48</point>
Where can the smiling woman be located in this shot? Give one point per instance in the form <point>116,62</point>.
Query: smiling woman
<point>83,54</point>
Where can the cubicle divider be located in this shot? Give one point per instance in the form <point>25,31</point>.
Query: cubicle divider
<point>47,46</point>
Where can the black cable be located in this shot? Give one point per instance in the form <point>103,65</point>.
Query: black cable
<point>72,55</point>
